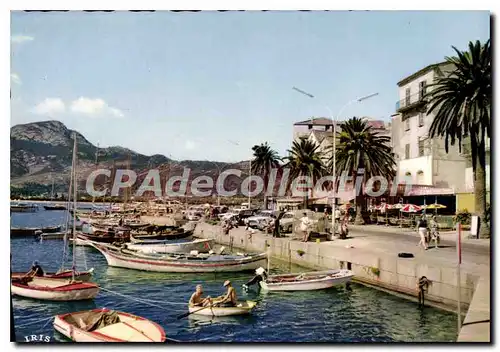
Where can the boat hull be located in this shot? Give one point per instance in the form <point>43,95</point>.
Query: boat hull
<point>121,260</point>
<point>155,333</point>
<point>242,308</point>
<point>70,292</point>
<point>185,247</point>
<point>343,277</point>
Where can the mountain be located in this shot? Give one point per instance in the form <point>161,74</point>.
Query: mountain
<point>41,153</point>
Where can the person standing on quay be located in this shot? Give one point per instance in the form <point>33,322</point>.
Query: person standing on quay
<point>305,223</point>
<point>422,231</point>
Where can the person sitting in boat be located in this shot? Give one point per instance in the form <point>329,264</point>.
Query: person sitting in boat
<point>229,299</point>
<point>36,270</point>
<point>261,275</point>
<point>197,300</point>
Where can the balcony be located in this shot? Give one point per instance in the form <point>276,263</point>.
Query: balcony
<point>411,102</point>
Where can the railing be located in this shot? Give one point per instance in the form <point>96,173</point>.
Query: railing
<point>410,100</point>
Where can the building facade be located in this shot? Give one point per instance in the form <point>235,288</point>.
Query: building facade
<point>422,159</point>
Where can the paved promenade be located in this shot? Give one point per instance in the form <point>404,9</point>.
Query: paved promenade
<point>373,253</point>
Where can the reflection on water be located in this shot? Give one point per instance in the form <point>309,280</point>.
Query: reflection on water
<point>335,315</point>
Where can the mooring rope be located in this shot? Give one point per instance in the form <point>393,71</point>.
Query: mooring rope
<point>35,322</point>
<point>143,300</point>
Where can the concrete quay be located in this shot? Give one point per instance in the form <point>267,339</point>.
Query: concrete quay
<point>373,257</point>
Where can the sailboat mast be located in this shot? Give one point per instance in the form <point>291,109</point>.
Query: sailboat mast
<point>96,154</point>
<point>52,193</point>
<point>74,207</point>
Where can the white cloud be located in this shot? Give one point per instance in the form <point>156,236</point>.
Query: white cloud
<point>190,145</point>
<point>94,108</point>
<point>50,106</point>
<point>14,78</point>
<point>21,38</point>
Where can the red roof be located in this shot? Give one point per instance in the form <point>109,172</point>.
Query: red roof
<point>316,121</point>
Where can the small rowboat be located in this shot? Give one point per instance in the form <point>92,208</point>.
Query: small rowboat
<point>63,275</point>
<point>244,307</point>
<point>316,280</point>
<point>180,263</point>
<point>54,290</point>
<point>104,325</point>
<point>200,245</point>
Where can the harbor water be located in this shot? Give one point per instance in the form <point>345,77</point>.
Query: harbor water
<point>336,315</point>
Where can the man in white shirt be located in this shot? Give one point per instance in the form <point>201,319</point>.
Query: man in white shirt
<point>305,224</point>
<point>337,219</point>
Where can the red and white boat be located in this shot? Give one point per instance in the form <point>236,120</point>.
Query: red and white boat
<point>63,275</point>
<point>54,289</point>
<point>104,325</point>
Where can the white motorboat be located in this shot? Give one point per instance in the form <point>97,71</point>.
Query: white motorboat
<point>316,280</point>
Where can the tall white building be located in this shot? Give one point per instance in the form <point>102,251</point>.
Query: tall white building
<point>417,155</point>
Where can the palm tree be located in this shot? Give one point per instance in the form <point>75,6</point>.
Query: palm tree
<point>265,159</point>
<point>462,102</point>
<point>360,147</point>
<point>305,159</point>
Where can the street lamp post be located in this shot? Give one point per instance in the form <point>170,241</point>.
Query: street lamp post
<point>249,175</point>
<point>334,147</point>
<point>217,180</point>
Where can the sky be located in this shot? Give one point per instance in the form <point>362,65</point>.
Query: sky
<point>210,85</point>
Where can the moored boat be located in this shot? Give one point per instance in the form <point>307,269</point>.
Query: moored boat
<point>104,325</point>
<point>54,207</point>
<point>61,275</point>
<point>54,289</point>
<point>174,235</point>
<point>316,280</point>
<point>180,263</point>
<point>23,208</point>
<point>241,308</point>
<point>200,245</point>
<point>52,236</point>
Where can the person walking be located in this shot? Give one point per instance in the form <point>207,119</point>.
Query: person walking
<point>337,220</point>
<point>422,231</point>
<point>434,231</point>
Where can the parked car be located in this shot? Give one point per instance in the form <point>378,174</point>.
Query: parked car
<point>286,222</point>
<point>253,221</point>
<point>245,214</point>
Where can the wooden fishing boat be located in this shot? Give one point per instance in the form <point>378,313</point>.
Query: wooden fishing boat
<point>54,289</point>
<point>54,207</point>
<point>316,280</point>
<point>175,235</point>
<point>104,325</point>
<point>24,231</point>
<point>32,231</point>
<point>23,208</point>
<point>106,238</point>
<point>242,308</point>
<point>62,275</point>
<point>175,246</point>
<point>179,263</point>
